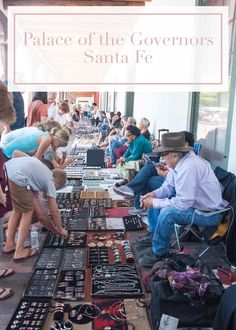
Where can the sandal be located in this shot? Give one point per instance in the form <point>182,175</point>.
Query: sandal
<point>26,245</point>
<point>31,253</point>
<point>5,272</point>
<point>6,293</point>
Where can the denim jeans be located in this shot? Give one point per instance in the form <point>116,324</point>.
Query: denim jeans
<point>161,224</point>
<point>146,180</point>
<point>113,145</point>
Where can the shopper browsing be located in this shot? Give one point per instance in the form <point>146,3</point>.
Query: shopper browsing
<point>28,176</point>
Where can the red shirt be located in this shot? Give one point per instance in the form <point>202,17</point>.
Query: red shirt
<point>36,110</point>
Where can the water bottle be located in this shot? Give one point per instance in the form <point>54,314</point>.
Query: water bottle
<point>16,236</point>
<point>34,238</point>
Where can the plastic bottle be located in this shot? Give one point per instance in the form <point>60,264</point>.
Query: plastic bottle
<point>16,235</point>
<point>34,238</point>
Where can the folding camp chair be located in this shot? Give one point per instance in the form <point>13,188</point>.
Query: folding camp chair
<point>206,236</point>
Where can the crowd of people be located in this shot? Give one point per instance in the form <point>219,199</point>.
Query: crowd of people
<point>31,170</point>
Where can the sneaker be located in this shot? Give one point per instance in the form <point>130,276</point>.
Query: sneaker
<point>124,191</point>
<point>121,183</point>
<point>143,246</point>
<point>143,242</point>
<point>136,211</point>
<point>149,259</point>
<point>148,237</point>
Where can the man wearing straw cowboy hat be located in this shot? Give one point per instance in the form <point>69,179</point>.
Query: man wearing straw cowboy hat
<point>191,185</point>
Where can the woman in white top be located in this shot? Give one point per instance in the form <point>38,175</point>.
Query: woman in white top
<point>62,115</point>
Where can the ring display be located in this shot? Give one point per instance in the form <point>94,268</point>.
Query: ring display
<point>70,285</point>
<point>73,258</point>
<point>30,314</point>
<point>42,283</point>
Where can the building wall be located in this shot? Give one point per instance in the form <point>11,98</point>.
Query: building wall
<point>232,153</point>
<point>121,102</point>
<point>164,110</point>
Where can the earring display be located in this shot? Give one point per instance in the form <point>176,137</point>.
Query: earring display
<point>75,223</point>
<point>42,283</point>
<point>116,281</point>
<point>133,222</point>
<point>112,316</point>
<point>101,223</point>
<point>68,200</point>
<point>108,238</point>
<point>106,202</point>
<point>73,259</point>
<point>30,314</point>
<point>86,202</point>
<point>52,241</point>
<point>49,258</point>
<point>97,211</point>
<point>97,224</point>
<point>70,285</point>
<point>76,239</point>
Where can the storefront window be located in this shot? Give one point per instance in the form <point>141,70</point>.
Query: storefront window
<point>212,118</point>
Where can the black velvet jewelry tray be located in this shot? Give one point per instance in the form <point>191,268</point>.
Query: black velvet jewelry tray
<point>53,241</point>
<point>133,223</point>
<point>75,218</point>
<point>42,283</point>
<point>97,211</point>
<point>87,202</point>
<point>105,223</point>
<point>120,281</point>
<point>70,285</point>
<point>49,258</point>
<point>98,256</point>
<point>73,258</point>
<point>23,308</point>
<point>75,223</point>
<point>76,239</point>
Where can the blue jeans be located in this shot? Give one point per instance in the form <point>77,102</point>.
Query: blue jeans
<point>144,181</point>
<point>113,145</point>
<point>161,224</point>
